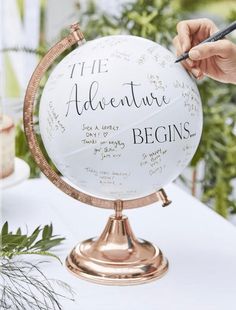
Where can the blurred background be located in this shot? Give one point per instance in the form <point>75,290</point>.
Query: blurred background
<point>30,27</point>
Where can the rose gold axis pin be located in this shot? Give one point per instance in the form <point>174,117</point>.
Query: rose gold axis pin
<point>77,33</point>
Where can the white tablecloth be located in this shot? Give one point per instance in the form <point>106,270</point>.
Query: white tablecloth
<point>199,244</point>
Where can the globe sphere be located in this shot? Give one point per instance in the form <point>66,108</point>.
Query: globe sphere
<point>119,118</point>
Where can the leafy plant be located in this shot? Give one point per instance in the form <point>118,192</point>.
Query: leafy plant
<point>153,19</point>
<point>218,145</point>
<point>23,283</point>
<point>39,242</point>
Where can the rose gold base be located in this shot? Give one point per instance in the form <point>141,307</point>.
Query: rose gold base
<point>117,257</point>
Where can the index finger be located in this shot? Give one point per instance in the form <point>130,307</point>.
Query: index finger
<point>186,29</point>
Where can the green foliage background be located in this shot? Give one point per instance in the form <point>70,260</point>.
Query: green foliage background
<point>156,20</point>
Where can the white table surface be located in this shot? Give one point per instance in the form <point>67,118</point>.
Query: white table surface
<point>199,244</point>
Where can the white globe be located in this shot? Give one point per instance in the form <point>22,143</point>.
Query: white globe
<point>119,118</point>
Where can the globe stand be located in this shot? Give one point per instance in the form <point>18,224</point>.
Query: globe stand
<point>117,257</point>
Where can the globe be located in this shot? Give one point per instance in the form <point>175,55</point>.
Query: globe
<point>119,118</point>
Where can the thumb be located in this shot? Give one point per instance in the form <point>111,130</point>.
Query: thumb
<point>222,48</point>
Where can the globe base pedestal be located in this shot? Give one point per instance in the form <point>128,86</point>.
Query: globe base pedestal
<point>117,257</point>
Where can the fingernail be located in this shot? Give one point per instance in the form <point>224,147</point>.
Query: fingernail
<point>194,54</point>
<point>195,72</point>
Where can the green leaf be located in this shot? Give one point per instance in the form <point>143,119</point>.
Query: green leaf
<point>47,231</point>
<point>18,232</point>
<point>5,229</point>
<point>31,239</point>
<point>42,253</point>
<point>45,245</point>
<point>16,244</point>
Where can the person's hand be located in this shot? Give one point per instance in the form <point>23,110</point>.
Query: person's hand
<point>215,59</point>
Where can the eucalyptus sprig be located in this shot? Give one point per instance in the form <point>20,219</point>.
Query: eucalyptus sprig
<point>39,242</point>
